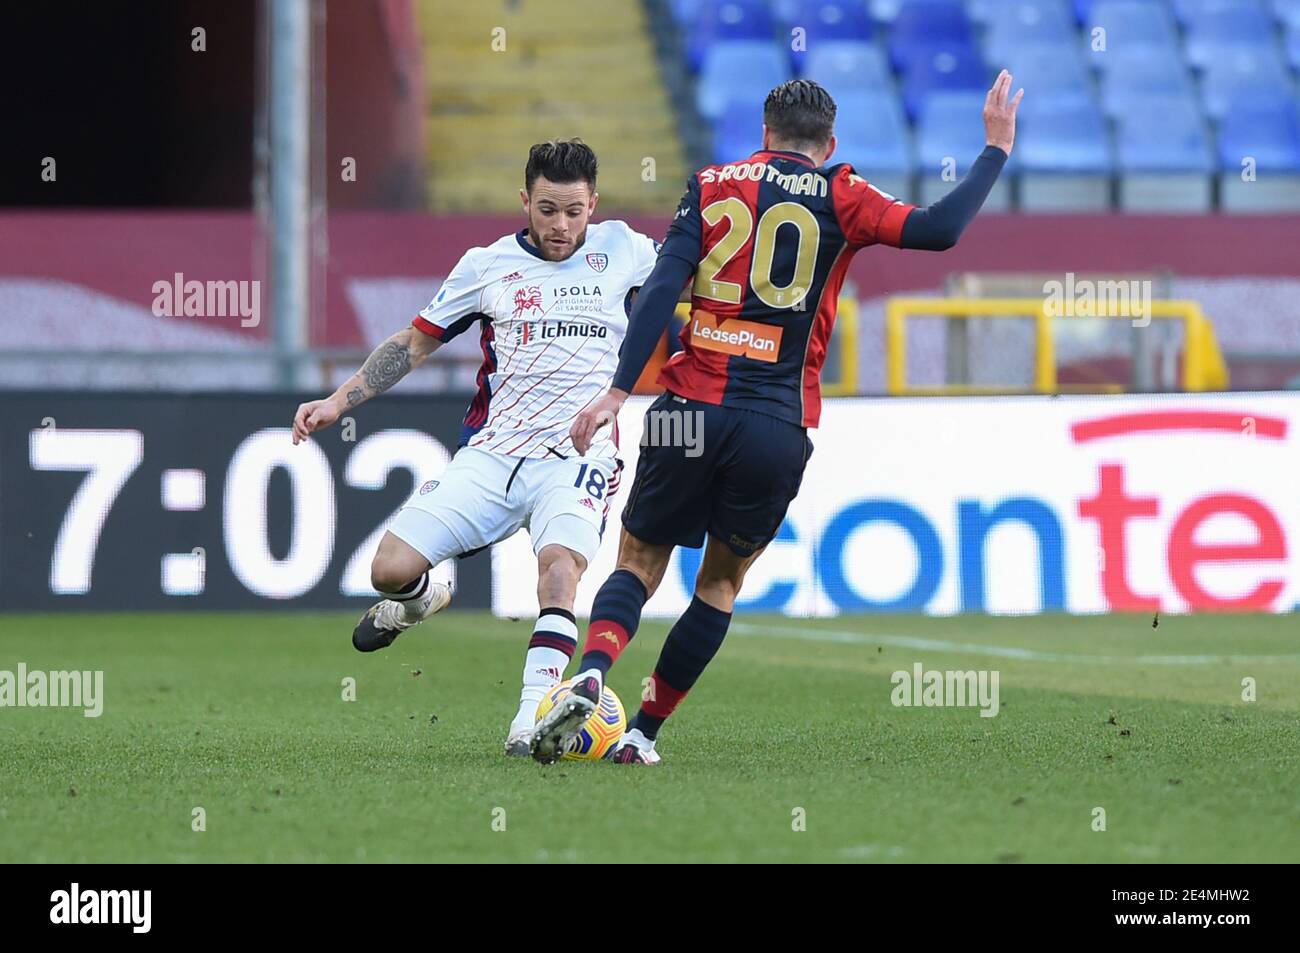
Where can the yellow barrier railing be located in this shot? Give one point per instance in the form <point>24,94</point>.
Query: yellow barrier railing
<point>846,340</point>
<point>1203,365</point>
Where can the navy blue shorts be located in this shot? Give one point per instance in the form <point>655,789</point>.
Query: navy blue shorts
<point>722,470</point>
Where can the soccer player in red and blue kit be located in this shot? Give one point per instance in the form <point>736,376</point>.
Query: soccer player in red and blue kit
<point>768,240</point>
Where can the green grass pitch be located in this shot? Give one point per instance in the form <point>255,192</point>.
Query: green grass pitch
<point>792,726</point>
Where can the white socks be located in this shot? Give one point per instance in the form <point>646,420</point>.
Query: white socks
<point>555,637</point>
<point>415,602</point>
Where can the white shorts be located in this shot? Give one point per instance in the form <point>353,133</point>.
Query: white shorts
<point>483,498</point>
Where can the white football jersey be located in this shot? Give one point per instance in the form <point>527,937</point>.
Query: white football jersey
<point>550,334</point>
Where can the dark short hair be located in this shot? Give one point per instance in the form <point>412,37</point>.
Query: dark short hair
<point>562,161</point>
<point>800,113</point>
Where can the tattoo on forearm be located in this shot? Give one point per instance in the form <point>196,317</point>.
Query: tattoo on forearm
<point>355,396</point>
<point>389,363</point>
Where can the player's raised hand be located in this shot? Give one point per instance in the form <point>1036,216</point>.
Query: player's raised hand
<point>312,416</point>
<point>1000,113</point>
<point>603,411</point>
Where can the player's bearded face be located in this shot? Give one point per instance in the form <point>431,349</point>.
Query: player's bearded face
<point>557,216</point>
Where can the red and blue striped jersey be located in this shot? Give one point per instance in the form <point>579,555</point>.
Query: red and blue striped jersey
<point>770,238</point>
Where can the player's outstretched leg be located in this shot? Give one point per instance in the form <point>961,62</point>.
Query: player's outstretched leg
<point>690,646</point>
<point>615,615</point>
<point>402,574</point>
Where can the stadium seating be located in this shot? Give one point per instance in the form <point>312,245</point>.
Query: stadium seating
<point>1132,26</point>
<point>1136,75</point>
<point>484,112</point>
<point>735,69</point>
<point>847,65</point>
<point>726,21</point>
<point>1065,154</point>
<point>950,134</point>
<point>1235,73</point>
<point>944,66</point>
<point>1014,24</point>
<point>1138,117</point>
<point>873,135</point>
<point>1163,155</point>
<point>822,22</point>
<point>739,130</point>
<point>1259,154</point>
<point>924,23</point>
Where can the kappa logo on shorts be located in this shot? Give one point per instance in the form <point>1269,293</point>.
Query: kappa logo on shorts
<point>759,342</point>
<point>741,543</point>
<point>598,261</point>
<point>428,487</point>
<point>606,635</point>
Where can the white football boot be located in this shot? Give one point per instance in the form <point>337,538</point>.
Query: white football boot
<point>518,741</point>
<point>386,620</point>
<point>634,748</point>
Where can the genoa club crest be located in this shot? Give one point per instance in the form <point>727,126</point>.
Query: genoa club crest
<point>598,260</point>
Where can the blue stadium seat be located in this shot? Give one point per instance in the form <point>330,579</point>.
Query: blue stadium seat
<point>1238,72</point>
<point>725,21</point>
<point>686,12</point>
<point>738,68</point>
<point>923,23</point>
<point>1293,47</point>
<point>1164,155</point>
<point>884,11</point>
<point>740,129</point>
<point>1131,24</point>
<point>1185,11</point>
<point>1264,128</point>
<point>1063,133</point>
<point>1288,13</point>
<point>1017,23</point>
<point>1047,68</point>
<point>950,134</point>
<point>950,125</point>
<point>1140,74</point>
<point>980,11</point>
<point>1211,32</point>
<point>873,135</point>
<point>1158,133</point>
<point>946,66</point>
<point>847,65</point>
<point>826,20</point>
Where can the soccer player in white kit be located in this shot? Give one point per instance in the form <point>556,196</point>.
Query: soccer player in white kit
<point>551,302</point>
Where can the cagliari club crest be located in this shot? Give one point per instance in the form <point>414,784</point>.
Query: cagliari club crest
<point>527,300</point>
<point>598,261</point>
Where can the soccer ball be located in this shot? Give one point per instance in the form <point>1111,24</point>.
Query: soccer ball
<point>602,730</point>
